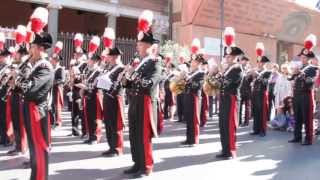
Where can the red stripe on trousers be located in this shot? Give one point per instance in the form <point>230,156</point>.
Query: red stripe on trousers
<point>119,146</point>
<point>309,132</point>
<point>205,106</point>
<point>99,115</point>
<point>9,125</point>
<point>38,141</point>
<point>59,104</point>
<point>233,124</point>
<point>265,111</point>
<point>24,141</point>
<point>196,119</point>
<point>147,133</point>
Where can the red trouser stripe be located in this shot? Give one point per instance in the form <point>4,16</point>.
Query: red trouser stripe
<point>205,108</point>
<point>147,133</point>
<point>39,142</point>
<point>265,111</point>
<point>119,146</point>
<point>233,124</point>
<point>196,119</point>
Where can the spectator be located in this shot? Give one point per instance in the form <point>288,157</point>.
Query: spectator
<point>282,87</point>
<point>284,120</point>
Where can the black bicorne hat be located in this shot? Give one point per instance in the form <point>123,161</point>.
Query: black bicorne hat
<point>307,53</point>
<point>148,38</point>
<point>43,39</point>
<point>115,52</point>
<point>263,59</point>
<point>233,51</point>
<point>95,57</point>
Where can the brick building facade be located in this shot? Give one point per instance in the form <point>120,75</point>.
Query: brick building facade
<point>280,24</point>
<point>87,16</point>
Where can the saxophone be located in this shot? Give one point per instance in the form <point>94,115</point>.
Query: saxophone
<point>212,84</point>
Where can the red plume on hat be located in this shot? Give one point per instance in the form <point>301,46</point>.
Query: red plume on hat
<point>108,38</point>
<point>144,23</point>
<point>78,41</point>
<point>2,40</point>
<point>229,36</point>
<point>310,42</point>
<point>195,46</point>
<point>259,49</point>
<point>39,19</point>
<point>58,47</point>
<point>20,34</point>
<point>94,44</point>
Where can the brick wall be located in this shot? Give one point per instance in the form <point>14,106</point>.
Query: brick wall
<point>268,21</point>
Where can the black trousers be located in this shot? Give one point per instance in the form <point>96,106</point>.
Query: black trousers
<point>180,106</point>
<point>91,113</point>
<point>228,106</point>
<point>37,128</point>
<point>259,112</point>
<point>168,103</point>
<point>113,124</point>
<point>303,114</point>
<point>140,133</point>
<point>191,115</point>
<point>246,102</point>
<point>210,106</point>
<point>76,116</point>
<point>18,125</point>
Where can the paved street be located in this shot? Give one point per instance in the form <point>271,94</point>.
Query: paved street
<point>259,158</point>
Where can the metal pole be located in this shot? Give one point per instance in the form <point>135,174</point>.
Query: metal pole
<point>221,28</point>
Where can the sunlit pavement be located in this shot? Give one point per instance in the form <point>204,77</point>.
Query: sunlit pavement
<point>269,157</point>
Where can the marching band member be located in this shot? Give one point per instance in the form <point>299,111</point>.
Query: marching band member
<point>192,100</point>
<point>260,97</point>
<point>303,104</point>
<point>204,100</point>
<point>36,89</point>
<point>230,82</point>
<point>245,93</point>
<point>57,91</point>
<point>77,72</point>
<point>143,84</point>
<point>15,103</point>
<point>183,67</point>
<point>113,103</point>
<point>4,60</point>
<point>93,101</point>
<point>168,95</point>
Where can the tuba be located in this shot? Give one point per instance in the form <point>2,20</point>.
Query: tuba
<point>178,83</point>
<point>212,84</point>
